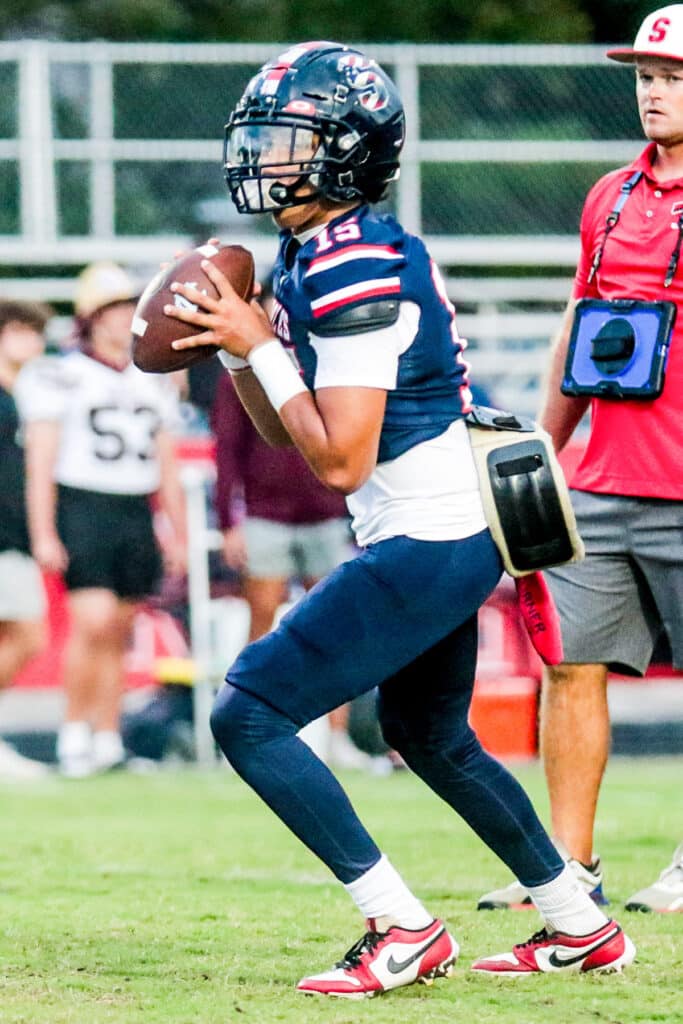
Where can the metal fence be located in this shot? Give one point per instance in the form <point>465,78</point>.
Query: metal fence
<point>115,149</point>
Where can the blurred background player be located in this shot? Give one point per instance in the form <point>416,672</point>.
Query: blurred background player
<point>98,447</point>
<point>290,528</point>
<point>628,489</point>
<point>22,598</point>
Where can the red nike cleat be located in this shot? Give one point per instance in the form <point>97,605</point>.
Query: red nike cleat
<point>606,950</point>
<point>384,960</point>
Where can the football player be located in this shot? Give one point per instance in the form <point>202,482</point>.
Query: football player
<point>98,446</point>
<point>363,370</point>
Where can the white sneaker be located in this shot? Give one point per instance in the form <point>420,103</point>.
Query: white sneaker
<point>74,750</point>
<point>14,767</point>
<point>515,897</point>
<point>381,766</point>
<point>666,894</point>
<point>108,751</point>
<point>343,753</point>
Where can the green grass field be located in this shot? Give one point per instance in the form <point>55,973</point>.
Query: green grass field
<point>177,898</point>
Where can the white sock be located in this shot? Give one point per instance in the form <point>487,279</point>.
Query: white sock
<point>74,740</point>
<point>382,894</point>
<point>107,746</point>
<point>565,906</point>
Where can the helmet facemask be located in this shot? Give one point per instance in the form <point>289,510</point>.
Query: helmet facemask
<point>267,162</point>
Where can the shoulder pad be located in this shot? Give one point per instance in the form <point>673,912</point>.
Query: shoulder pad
<point>370,316</point>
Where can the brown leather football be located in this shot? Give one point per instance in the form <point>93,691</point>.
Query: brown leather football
<point>153,331</point>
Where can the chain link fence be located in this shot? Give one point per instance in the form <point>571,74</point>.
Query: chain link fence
<point>122,142</point>
<point>114,151</point>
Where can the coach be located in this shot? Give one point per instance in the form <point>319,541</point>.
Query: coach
<point>625,360</point>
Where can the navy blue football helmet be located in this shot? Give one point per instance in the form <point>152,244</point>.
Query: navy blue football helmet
<point>321,114</point>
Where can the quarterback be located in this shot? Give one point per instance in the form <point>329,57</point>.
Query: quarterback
<point>363,370</point>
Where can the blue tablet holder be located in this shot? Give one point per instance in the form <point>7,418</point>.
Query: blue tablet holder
<point>618,349</point>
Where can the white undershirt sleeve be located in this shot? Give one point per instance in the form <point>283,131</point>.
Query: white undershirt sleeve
<point>367,360</point>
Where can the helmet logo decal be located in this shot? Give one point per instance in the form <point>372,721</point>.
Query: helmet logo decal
<point>360,76</point>
<point>355,60</point>
<point>373,91</point>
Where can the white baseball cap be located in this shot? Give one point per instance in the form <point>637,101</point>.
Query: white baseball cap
<point>660,35</point>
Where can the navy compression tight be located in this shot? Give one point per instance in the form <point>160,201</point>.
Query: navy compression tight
<point>424,717</point>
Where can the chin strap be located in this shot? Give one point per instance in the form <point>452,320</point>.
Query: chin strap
<point>540,617</point>
<point>286,195</point>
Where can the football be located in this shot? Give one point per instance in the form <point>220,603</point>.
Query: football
<point>153,331</point>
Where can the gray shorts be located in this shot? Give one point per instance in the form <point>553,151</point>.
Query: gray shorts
<point>614,604</point>
<point>22,595</point>
<point>281,550</point>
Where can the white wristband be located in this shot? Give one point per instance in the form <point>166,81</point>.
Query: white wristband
<point>276,373</point>
<point>231,362</point>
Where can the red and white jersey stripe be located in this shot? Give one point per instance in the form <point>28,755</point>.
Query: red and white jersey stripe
<point>351,253</point>
<point>355,293</point>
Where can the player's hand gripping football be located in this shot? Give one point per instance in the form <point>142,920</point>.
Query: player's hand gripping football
<point>229,322</point>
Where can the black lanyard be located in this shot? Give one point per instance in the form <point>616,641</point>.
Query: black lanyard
<point>612,219</point>
<point>673,260</point>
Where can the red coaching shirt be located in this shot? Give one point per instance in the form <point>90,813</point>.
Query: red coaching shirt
<point>635,447</point>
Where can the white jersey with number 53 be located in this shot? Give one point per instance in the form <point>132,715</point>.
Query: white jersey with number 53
<point>109,420</point>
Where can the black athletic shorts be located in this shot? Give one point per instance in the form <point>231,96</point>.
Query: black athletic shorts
<point>110,540</point>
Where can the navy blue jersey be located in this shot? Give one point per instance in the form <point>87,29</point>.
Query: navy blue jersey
<point>362,257</point>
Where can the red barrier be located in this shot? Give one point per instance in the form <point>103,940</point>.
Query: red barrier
<point>156,635</point>
<point>46,668</point>
<point>504,708</point>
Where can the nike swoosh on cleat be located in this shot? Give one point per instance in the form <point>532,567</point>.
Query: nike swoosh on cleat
<point>559,961</point>
<point>396,966</point>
